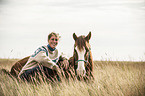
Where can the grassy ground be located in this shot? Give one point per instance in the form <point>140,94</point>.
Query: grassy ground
<point>112,78</point>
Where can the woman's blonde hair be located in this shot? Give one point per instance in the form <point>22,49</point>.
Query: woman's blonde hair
<point>53,33</point>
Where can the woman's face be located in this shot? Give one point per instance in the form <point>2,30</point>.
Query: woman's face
<point>53,41</point>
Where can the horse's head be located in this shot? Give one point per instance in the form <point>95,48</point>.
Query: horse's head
<point>81,53</point>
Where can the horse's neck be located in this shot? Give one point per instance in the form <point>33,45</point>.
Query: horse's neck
<point>90,56</point>
<point>91,61</point>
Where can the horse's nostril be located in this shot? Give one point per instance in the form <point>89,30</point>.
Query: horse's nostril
<point>84,72</point>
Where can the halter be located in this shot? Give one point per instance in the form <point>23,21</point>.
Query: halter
<point>81,60</point>
<point>84,60</point>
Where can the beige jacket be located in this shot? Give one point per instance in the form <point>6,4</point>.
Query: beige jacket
<point>42,56</point>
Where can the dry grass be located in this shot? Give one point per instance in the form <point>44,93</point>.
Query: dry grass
<point>111,79</point>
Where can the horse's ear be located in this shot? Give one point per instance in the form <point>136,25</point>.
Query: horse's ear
<point>88,36</point>
<point>75,36</point>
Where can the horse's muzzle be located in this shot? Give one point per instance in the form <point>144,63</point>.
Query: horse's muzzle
<point>81,72</point>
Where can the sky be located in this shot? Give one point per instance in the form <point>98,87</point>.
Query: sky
<point>117,27</point>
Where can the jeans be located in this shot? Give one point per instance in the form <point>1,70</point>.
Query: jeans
<point>45,72</point>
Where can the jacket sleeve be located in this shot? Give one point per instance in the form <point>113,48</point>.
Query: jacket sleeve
<point>44,60</point>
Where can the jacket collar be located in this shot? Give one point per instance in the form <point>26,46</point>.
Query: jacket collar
<point>51,49</point>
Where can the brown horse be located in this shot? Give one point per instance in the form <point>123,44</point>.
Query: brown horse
<point>82,61</point>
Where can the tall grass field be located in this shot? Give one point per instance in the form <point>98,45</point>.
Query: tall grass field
<point>112,78</point>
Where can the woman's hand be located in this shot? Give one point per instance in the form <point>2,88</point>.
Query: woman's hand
<point>56,68</point>
<point>65,64</point>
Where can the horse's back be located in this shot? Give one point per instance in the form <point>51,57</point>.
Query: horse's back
<point>18,66</point>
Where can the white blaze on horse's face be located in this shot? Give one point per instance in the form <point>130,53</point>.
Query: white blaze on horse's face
<point>81,65</point>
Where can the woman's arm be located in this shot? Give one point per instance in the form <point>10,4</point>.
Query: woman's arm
<point>44,60</point>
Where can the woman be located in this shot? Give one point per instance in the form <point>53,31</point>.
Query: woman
<point>43,61</point>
